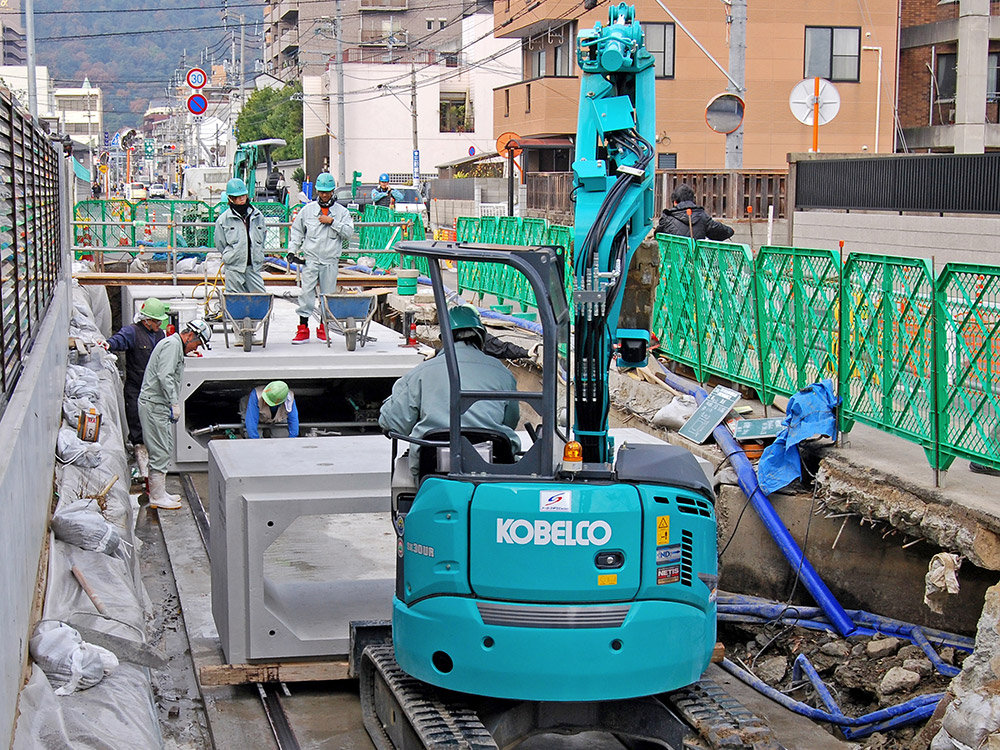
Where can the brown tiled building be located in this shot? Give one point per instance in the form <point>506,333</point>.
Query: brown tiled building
<point>948,83</point>
<point>842,40</point>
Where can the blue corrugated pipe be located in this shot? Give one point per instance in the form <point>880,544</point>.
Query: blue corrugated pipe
<point>912,711</point>
<point>747,478</point>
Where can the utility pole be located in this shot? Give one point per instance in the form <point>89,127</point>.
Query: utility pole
<point>341,151</point>
<point>243,66</point>
<point>737,75</point>
<point>413,112</point>
<point>29,30</point>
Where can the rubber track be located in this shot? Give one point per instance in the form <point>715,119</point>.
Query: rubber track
<point>437,723</point>
<point>720,719</point>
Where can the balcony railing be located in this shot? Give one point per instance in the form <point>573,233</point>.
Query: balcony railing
<point>384,4</point>
<point>383,37</point>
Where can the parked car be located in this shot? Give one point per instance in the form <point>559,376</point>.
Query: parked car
<point>157,190</point>
<point>135,191</point>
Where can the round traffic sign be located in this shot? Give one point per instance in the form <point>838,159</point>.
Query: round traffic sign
<point>196,78</point>
<point>197,104</point>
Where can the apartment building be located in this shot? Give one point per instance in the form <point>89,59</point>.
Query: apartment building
<point>949,88</point>
<point>849,43</point>
<point>13,48</point>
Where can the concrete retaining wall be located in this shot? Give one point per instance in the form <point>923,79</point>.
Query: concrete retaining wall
<point>28,431</point>
<point>948,239</point>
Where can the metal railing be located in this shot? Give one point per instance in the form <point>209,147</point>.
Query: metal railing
<point>30,238</point>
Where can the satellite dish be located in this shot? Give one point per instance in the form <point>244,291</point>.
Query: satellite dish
<point>803,98</point>
<point>502,144</point>
<point>724,113</point>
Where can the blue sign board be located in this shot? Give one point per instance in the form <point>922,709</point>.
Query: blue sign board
<point>197,104</point>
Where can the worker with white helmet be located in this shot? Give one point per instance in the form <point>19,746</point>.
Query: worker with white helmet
<point>270,409</point>
<point>239,237</point>
<point>383,195</point>
<point>159,405</point>
<point>420,400</point>
<point>319,233</point>
<point>138,340</point>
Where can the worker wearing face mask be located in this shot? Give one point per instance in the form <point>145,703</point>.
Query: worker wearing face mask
<point>239,236</point>
<point>319,233</point>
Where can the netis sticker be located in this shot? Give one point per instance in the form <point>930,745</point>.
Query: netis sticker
<point>668,574</point>
<point>561,501</point>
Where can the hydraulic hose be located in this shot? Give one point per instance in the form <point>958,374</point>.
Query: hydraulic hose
<point>747,478</point>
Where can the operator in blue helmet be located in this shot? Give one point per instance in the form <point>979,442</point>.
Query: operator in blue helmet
<point>319,233</point>
<point>239,236</point>
<point>420,400</point>
<point>383,195</point>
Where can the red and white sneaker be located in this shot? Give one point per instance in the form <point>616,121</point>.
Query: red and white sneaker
<point>301,335</point>
<point>320,333</point>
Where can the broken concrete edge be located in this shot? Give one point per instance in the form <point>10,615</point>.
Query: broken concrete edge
<point>913,510</point>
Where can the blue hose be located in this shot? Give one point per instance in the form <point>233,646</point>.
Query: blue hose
<point>914,710</point>
<point>747,478</point>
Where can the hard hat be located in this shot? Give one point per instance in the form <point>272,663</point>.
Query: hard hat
<point>154,309</point>
<point>465,316</point>
<point>236,187</point>
<point>201,329</point>
<point>325,183</point>
<point>383,177</point>
<point>275,392</point>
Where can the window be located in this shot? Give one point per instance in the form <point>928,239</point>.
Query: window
<point>833,52</point>
<point>563,54</point>
<point>450,59</point>
<point>506,103</point>
<point>456,113</point>
<point>992,77</point>
<point>527,99</point>
<point>534,59</point>
<point>430,24</point>
<point>945,76</point>
<point>666,161</point>
<point>660,43</point>
<point>442,22</point>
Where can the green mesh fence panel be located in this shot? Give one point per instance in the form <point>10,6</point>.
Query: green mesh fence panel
<point>274,239</point>
<point>509,231</point>
<point>119,211</point>
<point>728,315</point>
<point>563,237</point>
<point>798,308</point>
<point>466,229</point>
<point>676,303</point>
<point>968,363</point>
<point>534,231</point>
<point>886,345</point>
<point>487,230</point>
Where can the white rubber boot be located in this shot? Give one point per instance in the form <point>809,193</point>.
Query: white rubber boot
<point>142,460</point>
<point>158,497</point>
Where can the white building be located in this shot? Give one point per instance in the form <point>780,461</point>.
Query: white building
<point>454,104</point>
<point>15,78</point>
<point>81,113</point>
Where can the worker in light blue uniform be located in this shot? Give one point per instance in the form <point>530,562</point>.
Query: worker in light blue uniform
<point>383,195</point>
<point>419,402</point>
<point>319,233</point>
<point>271,408</point>
<point>159,405</point>
<point>239,237</point>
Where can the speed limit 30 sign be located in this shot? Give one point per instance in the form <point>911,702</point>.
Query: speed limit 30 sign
<point>196,78</point>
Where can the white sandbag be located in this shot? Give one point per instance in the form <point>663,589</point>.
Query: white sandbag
<point>78,524</point>
<point>187,265</point>
<point>71,450</point>
<point>941,580</point>
<point>68,661</point>
<point>73,406</point>
<point>81,382</point>
<point>676,413</point>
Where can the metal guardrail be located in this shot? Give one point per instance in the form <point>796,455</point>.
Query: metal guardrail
<point>30,238</point>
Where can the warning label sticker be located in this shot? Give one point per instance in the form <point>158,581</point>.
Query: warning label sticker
<point>662,530</point>
<point>669,555</point>
<point>668,574</point>
<point>608,579</point>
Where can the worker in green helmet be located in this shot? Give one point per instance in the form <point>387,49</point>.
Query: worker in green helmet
<point>270,411</point>
<point>137,341</point>
<point>239,237</point>
<point>420,400</point>
<point>319,233</point>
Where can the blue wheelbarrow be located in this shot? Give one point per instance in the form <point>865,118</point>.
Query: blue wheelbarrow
<point>246,313</point>
<point>349,315</point>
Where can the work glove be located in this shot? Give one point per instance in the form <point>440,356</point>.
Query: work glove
<point>104,345</point>
<point>535,352</point>
<point>175,412</point>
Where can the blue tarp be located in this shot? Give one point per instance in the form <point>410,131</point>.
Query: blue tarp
<point>81,171</point>
<point>811,413</point>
